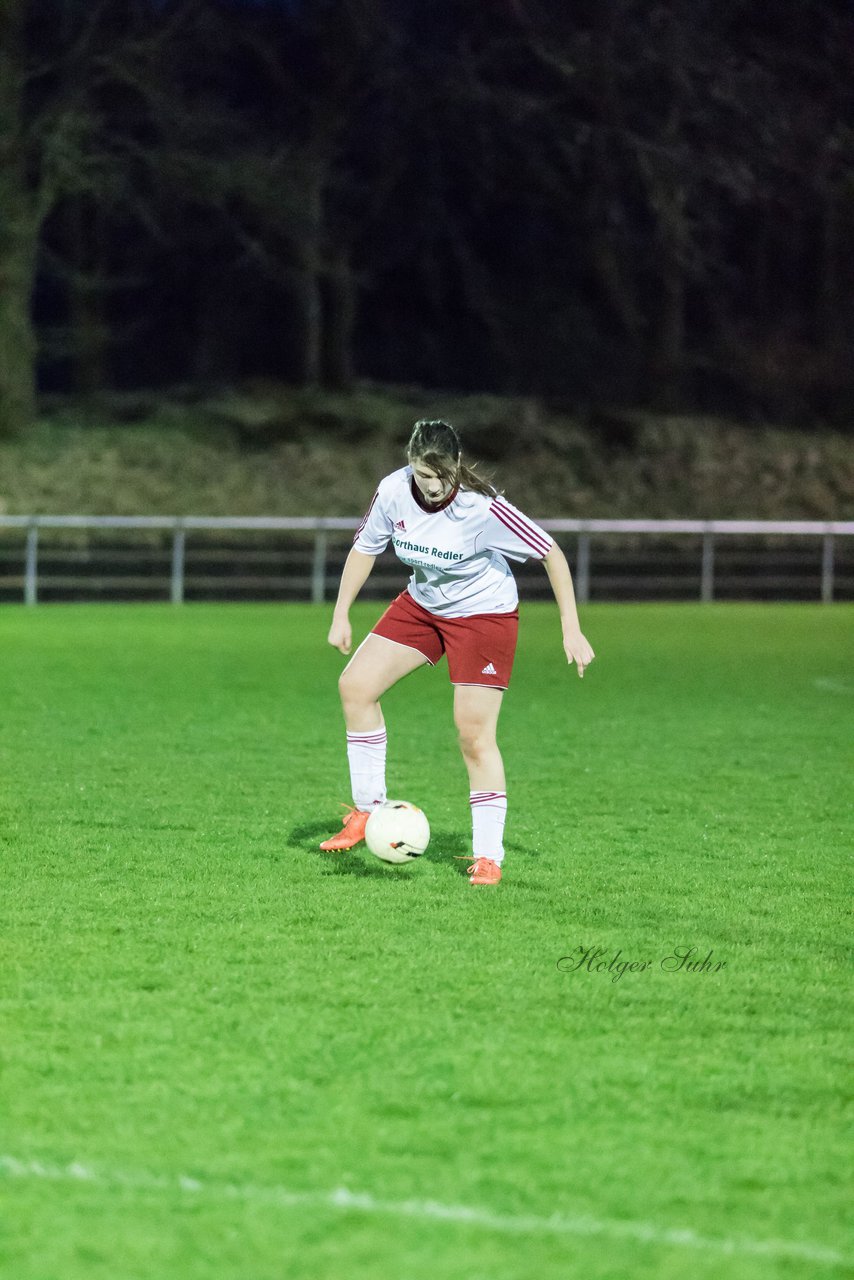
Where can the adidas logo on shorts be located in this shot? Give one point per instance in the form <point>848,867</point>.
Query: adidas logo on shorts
<point>489,670</point>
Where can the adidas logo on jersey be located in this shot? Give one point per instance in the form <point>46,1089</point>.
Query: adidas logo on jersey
<point>489,670</point>
<point>400,525</point>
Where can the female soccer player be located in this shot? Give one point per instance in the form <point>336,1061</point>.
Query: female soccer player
<point>456,532</point>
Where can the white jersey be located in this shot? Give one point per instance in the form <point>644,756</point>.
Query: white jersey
<point>457,550</point>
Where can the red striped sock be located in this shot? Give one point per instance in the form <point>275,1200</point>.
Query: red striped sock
<point>488,814</point>
<point>366,754</point>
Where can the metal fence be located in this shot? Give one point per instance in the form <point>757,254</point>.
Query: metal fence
<point>278,558</point>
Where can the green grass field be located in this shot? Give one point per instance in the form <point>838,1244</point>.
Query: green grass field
<point>227,1055</point>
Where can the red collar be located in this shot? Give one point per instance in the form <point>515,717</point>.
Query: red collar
<point>417,495</point>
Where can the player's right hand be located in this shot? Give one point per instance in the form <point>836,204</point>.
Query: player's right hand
<point>341,635</point>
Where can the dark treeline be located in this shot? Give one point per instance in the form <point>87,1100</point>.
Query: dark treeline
<point>604,201</point>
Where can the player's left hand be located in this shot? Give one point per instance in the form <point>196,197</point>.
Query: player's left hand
<point>577,649</point>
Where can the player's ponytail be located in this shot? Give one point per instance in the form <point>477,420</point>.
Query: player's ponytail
<point>437,445</point>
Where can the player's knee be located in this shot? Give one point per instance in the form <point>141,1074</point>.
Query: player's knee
<point>475,739</point>
<point>352,689</point>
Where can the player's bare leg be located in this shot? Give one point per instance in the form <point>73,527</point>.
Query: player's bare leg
<point>476,711</point>
<point>376,665</point>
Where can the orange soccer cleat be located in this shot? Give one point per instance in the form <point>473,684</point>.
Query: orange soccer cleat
<point>484,871</point>
<point>351,833</point>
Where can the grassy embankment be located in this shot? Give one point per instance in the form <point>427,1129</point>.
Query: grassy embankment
<point>285,452</point>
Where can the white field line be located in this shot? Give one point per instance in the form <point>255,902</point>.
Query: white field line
<point>431,1210</point>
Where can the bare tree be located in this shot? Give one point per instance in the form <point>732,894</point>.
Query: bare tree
<point>291,174</point>
<point>75,103</point>
<point>664,128</point>
<point>21,214</point>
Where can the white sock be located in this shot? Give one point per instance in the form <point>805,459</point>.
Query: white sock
<point>366,754</point>
<point>488,812</point>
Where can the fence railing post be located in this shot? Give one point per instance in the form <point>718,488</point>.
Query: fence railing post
<point>179,539</point>
<point>312,580</point>
<point>827,569</point>
<point>707,569</point>
<point>582,570</point>
<point>31,568</point>
<point>318,568</point>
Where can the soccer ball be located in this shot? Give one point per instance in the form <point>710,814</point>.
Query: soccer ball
<point>397,831</point>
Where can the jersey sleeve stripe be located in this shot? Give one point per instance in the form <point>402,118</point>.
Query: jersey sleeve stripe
<point>524,531</point>
<point>514,518</point>
<point>358,532</point>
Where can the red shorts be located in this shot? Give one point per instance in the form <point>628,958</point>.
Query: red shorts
<point>480,648</point>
